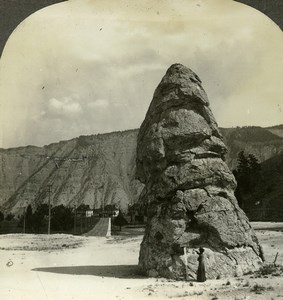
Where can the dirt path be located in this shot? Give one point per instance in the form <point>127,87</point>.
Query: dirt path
<point>100,229</point>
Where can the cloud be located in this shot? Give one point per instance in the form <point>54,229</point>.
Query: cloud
<point>95,66</point>
<point>65,106</point>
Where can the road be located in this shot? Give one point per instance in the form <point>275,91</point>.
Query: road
<point>100,229</point>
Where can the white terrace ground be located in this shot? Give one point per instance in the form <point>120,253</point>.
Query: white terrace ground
<point>59,267</point>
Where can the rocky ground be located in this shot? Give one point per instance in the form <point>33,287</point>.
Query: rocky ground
<point>68,267</point>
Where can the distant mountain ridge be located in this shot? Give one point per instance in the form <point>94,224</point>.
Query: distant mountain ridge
<point>277,130</point>
<point>100,169</point>
<point>264,143</point>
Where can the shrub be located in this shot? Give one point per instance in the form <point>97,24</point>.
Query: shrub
<point>120,220</point>
<point>62,218</point>
<point>258,289</point>
<point>39,218</point>
<point>10,217</point>
<point>246,284</point>
<point>269,269</point>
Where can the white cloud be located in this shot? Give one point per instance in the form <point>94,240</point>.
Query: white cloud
<point>64,106</point>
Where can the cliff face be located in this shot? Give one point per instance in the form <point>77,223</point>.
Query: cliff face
<point>100,169</point>
<point>96,170</point>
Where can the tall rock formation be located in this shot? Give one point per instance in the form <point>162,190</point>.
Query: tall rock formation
<point>188,187</point>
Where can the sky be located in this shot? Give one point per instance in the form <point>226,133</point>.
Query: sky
<point>91,66</point>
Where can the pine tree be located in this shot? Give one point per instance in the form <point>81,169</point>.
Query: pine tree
<point>248,176</point>
<point>255,172</point>
<point>243,172</point>
<point>254,164</point>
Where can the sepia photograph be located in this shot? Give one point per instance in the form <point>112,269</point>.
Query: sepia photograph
<point>141,149</point>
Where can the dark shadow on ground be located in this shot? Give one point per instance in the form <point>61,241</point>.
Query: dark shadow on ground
<point>279,229</point>
<point>116,271</point>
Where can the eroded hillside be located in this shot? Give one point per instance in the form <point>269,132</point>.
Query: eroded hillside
<point>94,170</point>
<point>100,169</point>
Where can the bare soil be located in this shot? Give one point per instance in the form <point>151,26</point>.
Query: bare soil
<point>71,267</point>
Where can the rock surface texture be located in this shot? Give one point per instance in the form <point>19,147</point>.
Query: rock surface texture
<point>189,190</point>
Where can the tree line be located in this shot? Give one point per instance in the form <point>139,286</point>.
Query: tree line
<point>64,219</point>
<point>248,175</point>
<point>36,221</point>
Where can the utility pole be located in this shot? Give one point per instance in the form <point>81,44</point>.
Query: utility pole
<point>75,219</point>
<point>24,229</point>
<point>103,206</point>
<point>103,198</point>
<point>49,207</point>
<point>81,221</point>
<point>25,212</point>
